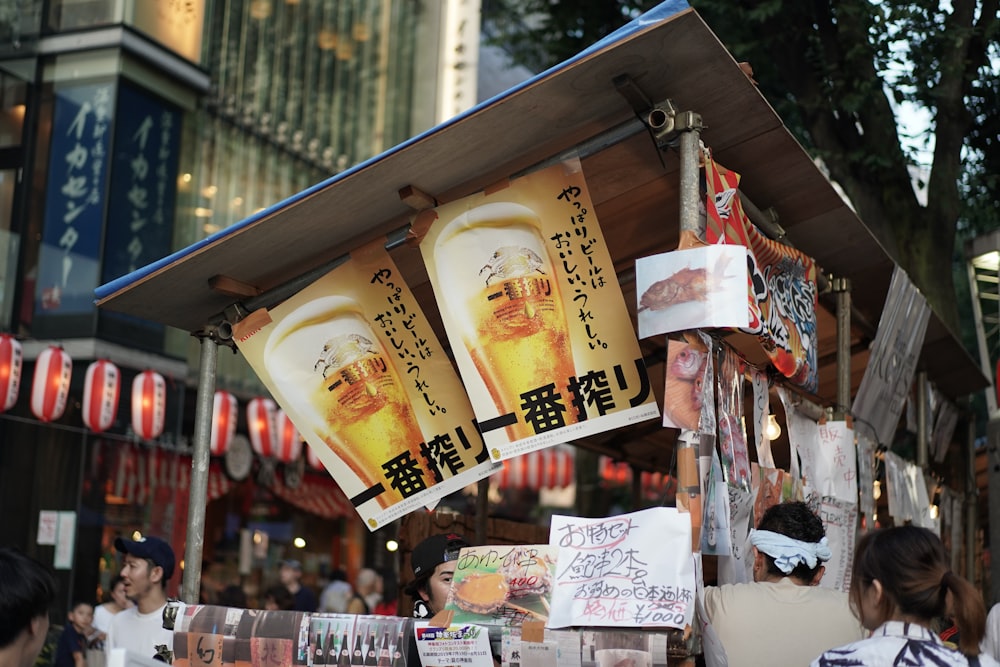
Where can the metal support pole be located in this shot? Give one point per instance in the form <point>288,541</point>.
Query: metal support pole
<point>482,510</point>
<point>199,470</point>
<point>922,434</point>
<point>689,180</point>
<point>971,492</point>
<point>842,288</point>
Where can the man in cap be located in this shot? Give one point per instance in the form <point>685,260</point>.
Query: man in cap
<point>147,566</point>
<point>290,574</point>
<point>433,563</point>
<point>27,588</point>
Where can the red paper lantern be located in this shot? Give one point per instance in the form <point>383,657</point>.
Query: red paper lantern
<point>50,386</point>
<point>100,395</point>
<point>149,404</point>
<point>313,459</point>
<point>261,424</point>
<point>11,359</point>
<point>223,422</point>
<point>289,444</point>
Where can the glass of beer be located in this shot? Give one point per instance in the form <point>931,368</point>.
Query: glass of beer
<point>329,363</point>
<point>502,292</point>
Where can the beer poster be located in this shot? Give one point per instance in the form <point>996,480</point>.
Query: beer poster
<point>532,308</point>
<point>355,364</point>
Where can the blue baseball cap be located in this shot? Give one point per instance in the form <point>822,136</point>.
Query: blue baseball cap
<point>153,548</point>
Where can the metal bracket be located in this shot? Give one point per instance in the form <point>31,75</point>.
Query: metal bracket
<point>221,334</point>
<point>663,120</point>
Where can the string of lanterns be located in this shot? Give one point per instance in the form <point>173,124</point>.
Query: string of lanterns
<point>272,433</point>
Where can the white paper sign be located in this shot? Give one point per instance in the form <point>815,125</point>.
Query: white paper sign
<point>837,462</point>
<point>467,645</point>
<point>692,289</point>
<point>840,520</point>
<point>65,540</point>
<point>629,570</point>
<point>47,524</point>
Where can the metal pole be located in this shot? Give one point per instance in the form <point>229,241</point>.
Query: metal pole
<point>199,470</point>
<point>922,435</point>
<point>482,510</point>
<point>689,179</point>
<point>970,501</point>
<point>842,287</point>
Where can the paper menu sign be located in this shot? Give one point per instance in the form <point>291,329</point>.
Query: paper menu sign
<point>534,313</point>
<point>354,363</point>
<point>467,645</point>
<point>692,289</point>
<point>628,570</point>
<point>502,585</point>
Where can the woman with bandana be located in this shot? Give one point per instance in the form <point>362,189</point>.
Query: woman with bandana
<point>901,582</point>
<point>783,617</point>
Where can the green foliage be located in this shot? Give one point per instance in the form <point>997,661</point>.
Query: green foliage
<point>838,72</point>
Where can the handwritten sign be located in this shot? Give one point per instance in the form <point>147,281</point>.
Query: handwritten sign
<point>629,570</point>
<point>502,585</point>
<point>466,645</point>
<point>48,521</point>
<point>840,520</point>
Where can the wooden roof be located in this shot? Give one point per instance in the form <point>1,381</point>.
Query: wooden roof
<point>633,185</point>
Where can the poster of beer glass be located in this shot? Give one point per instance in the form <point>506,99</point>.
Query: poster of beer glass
<point>534,313</point>
<point>357,367</point>
<point>692,289</point>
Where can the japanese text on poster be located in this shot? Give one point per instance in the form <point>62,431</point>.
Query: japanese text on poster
<point>629,570</point>
<point>534,313</point>
<point>503,584</point>
<point>356,365</point>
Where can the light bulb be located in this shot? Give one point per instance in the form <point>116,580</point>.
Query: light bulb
<point>934,511</point>
<point>877,490</point>
<point>391,545</point>
<point>773,429</point>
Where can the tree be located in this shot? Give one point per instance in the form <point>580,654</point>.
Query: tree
<point>838,72</point>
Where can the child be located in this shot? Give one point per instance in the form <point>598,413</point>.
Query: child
<point>71,651</point>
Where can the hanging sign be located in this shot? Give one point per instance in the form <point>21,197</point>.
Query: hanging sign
<point>503,584</point>
<point>358,369</point>
<point>781,283</point>
<point>628,570</point>
<point>532,307</point>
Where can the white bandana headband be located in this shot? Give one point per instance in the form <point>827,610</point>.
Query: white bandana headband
<point>789,553</point>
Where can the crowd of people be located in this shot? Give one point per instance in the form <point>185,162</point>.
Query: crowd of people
<point>901,588</point>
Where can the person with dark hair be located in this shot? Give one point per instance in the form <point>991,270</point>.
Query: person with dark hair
<point>278,597</point>
<point>232,595</point>
<point>433,563</point>
<point>27,588</point>
<point>784,611</point>
<point>900,583</point>
<point>290,574</point>
<point>388,604</point>
<point>148,564</point>
<point>71,650</point>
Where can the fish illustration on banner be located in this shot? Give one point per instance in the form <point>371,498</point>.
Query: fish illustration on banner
<point>354,362</point>
<point>732,438</point>
<point>534,313</point>
<point>781,283</point>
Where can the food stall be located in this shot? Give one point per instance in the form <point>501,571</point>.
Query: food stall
<point>632,111</point>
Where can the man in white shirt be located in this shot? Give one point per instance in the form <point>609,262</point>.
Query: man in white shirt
<point>147,566</point>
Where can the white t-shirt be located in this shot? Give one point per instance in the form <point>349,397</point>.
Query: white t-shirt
<point>139,633</point>
<point>102,618</point>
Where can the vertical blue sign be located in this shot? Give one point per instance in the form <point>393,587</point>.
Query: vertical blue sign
<point>68,263</point>
<point>144,183</point>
